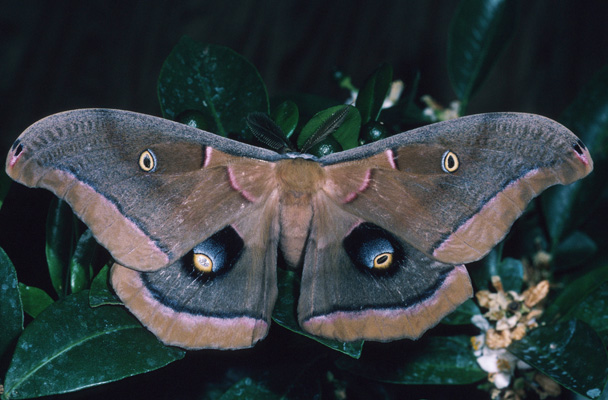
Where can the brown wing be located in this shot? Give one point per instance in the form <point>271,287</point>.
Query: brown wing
<point>396,218</point>
<point>227,308</point>
<point>149,189</point>
<point>452,190</point>
<point>360,281</point>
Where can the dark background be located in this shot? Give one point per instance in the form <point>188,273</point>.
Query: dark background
<point>58,55</point>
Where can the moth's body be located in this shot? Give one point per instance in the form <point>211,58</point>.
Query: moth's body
<point>196,222</point>
<point>298,181</point>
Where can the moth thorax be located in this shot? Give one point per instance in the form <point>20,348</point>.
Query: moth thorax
<point>299,176</point>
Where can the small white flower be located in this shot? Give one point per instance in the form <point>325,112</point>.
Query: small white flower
<point>352,98</point>
<point>501,380</point>
<point>394,94</point>
<point>479,321</point>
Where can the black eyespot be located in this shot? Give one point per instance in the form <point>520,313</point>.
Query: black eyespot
<point>450,162</point>
<point>147,161</point>
<point>218,253</point>
<point>17,147</point>
<point>579,146</point>
<point>373,249</point>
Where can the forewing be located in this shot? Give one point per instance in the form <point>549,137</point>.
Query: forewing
<point>197,183</point>
<point>453,189</point>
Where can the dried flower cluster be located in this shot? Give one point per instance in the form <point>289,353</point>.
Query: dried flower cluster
<point>514,314</point>
<point>509,316</point>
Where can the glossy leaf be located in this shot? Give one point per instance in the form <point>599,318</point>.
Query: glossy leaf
<point>71,346</point>
<point>101,293</point>
<point>478,33</point>
<point>593,309</point>
<point>565,207</point>
<point>80,264</point>
<point>248,388</point>
<point>575,292</point>
<point>573,250</point>
<point>286,115</point>
<point>214,80</point>
<point>463,314</point>
<point>431,360</point>
<point>59,243</point>
<point>342,122</point>
<point>510,270</point>
<point>308,104</point>
<point>284,314</point>
<point>11,309</point>
<point>373,92</point>
<point>34,300</point>
<point>297,379</point>
<point>570,352</point>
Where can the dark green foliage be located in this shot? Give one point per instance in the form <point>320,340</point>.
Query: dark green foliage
<point>206,78</point>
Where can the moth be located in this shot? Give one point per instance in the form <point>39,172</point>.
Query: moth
<point>197,223</point>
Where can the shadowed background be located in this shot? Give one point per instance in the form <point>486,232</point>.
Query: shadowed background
<point>67,54</point>
<point>60,55</point>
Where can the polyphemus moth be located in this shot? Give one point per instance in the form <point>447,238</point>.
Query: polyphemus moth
<point>197,223</point>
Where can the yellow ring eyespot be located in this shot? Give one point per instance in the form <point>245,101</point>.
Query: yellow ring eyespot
<point>450,162</point>
<point>383,260</point>
<point>147,161</point>
<point>203,263</point>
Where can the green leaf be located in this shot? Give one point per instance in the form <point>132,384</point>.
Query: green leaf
<point>5,184</point>
<point>284,314</point>
<point>575,292</point>
<point>431,360</point>
<point>294,379</point>
<point>478,33</point>
<point>510,270</point>
<point>593,309</point>
<point>346,133</point>
<point>308,104</point>
<point>570,353</point>
<point>573,250</point>
<point>59,243</point>
<point>34,300</point>
<point>71,346</point>
<point>371,96</point>
<point>80,265</point>
<point>11,309</point>
<point>565,207</point>
<point>463,314</point>
<point>100,293</point>
<point>248,388</point>
<point>214,80</point>
<point>286,116</point>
